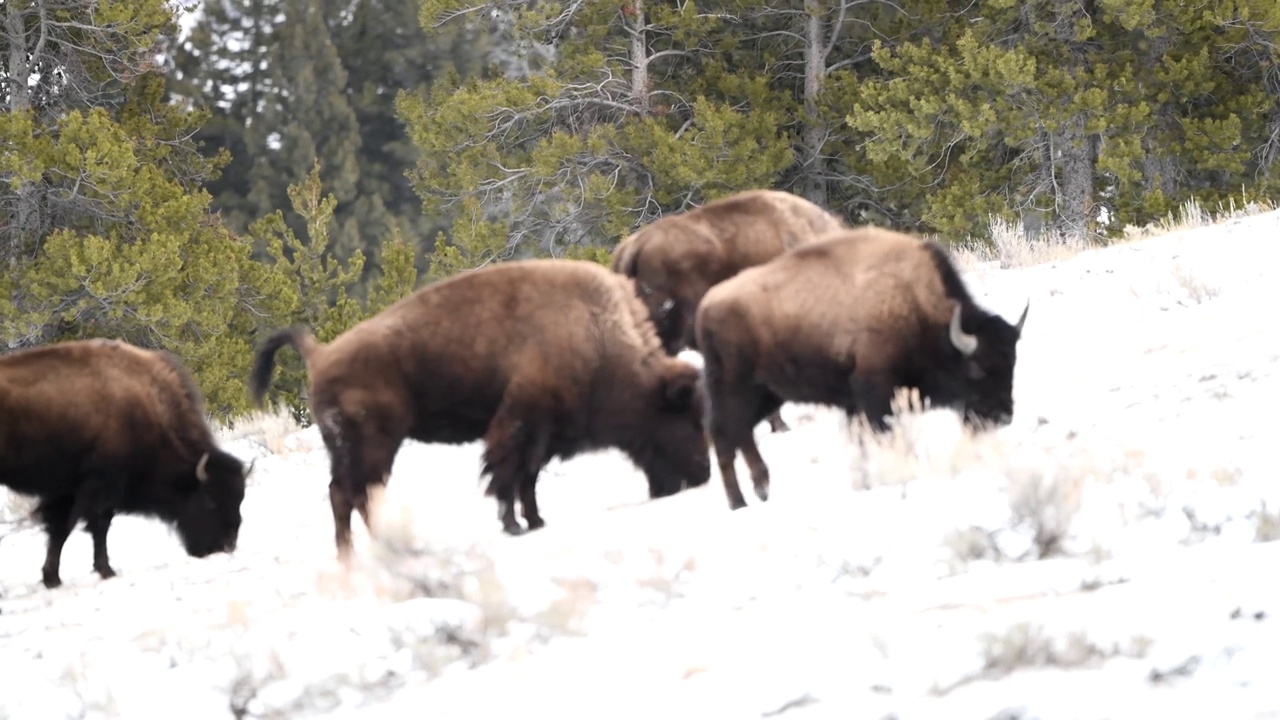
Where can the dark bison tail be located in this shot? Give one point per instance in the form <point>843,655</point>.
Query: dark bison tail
<point>264,360</point>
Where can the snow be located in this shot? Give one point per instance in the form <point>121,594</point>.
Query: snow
<point>1109,554</point>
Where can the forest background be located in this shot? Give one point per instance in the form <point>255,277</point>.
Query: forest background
<point>190,179</point>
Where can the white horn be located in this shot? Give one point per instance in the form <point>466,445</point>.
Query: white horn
<point>1023,319</point>
<point>201,474</point>
<point>967,344</point>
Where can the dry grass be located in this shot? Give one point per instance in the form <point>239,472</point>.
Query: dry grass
<point>1048,478</point>
<point>269,429</point>
<point>1009,246</point>
<point>1196,290</point>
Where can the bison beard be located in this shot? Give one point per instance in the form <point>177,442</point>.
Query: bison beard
<point>677,258</point>
<point>844,322</point>
<point>539,358</point>
<point>143,447</point>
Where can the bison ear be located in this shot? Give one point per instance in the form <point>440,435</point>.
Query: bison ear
<point>679,384</point>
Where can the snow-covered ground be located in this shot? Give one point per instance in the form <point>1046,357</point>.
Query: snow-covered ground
<point>1109,555</point>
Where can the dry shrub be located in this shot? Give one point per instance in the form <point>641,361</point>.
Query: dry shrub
<point>1267,524</point>
<point>401,564</point>
<point>269,429</point>
<point>1196,290</point>
<point>1044,498</point>
<point>921,442</point>
<point>1010,247</point>
<point>1046,479</point>
<point>15,508</point>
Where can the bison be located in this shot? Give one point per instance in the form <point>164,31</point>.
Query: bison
<point>844,322</point>
<point>677,258</point>
<point>96,428</point>
<point>539,358</point>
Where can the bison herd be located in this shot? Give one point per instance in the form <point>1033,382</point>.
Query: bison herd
<point>540,359</point>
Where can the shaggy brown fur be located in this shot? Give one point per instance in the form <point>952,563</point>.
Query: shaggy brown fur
<point>539,358</point>
<point>676,259</point>
<point>844,322</point>
<point>94,428</point>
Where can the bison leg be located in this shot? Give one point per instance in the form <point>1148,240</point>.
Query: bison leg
<point>776,423</point>
<point>361,455</point>
<point>529,504</point>
<point>97,525</point>
<point>873,396</point>
<point>731,429</point>
<point>759,471</point>
<point>726,452</point>
<point>58,522</point>
<point>515,451</point>
<point>342,505</point>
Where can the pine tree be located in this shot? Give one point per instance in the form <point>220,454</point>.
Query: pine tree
<point>306,118</point>
<point>223,67</point>
<point>121,243</point>
<point>603,117</point>
<point>386,53</point>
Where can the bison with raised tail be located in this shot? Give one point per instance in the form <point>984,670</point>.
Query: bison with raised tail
<point>844,322</point>
<point>677,258</point>
<point>96,428</point>
<point>539,358</point>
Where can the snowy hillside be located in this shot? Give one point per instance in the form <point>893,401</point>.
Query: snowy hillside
<point>1110,555</point>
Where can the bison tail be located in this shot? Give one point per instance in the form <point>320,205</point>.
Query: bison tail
<point>265,359</point>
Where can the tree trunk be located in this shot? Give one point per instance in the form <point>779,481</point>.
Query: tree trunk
<point>816,131</point>
<point>639,56</point>
<point>1075,155</point>
<point>22,236</point>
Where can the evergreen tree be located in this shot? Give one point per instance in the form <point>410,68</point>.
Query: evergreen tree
<point>316,289</point>
<point>224,67</point>
<point>386,52</point>
<point>305,118</point>
<point>597,118</point>
<point>1053,111</point>
<point>120,242</point>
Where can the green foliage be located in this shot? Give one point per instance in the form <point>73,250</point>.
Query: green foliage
<point>549,160</point>
<point>398,276</point>
<point>132,252</point>
<point>313,287</point>
<point>1000,113</point>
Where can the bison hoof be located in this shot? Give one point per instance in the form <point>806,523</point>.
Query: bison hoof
<point>762,492</point>
<point>513,529</point>
<point>737,504</point>
<point>105,572</point>
<point>535,523</point>
<point>780,427</point>
<point>52,581</point>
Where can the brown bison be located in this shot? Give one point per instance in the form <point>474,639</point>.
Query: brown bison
<point>844,322</point>
<point>677,258</point>
<point>95,428</point>
<point>539,358</point>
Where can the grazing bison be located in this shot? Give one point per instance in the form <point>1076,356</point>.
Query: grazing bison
<point>676,259</point>
<point>95,428</point>
<point>539,358</point>
<point>844,322</point>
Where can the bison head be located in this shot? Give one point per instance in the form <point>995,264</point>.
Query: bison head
<point>988,353</point>
<point>674,454</point>
<point>209,521</point>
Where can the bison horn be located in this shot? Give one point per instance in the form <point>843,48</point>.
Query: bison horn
<point>967,344</point>
<point>202,473</point>
<point>249,469</point>
<point>1023,318</point>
